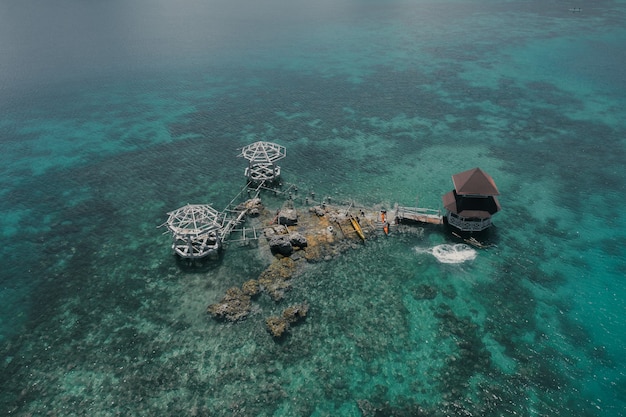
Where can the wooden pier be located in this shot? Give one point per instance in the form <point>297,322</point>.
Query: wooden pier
<point>229,224</point>
<point>245,235</point>
<point>418,215</point>
<point>235,214</point>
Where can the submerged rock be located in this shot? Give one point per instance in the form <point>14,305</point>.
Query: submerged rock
<point>275,280</point>
<point>234,306</point>
<point>425,292</point>
<point>251,287</point>
<point>277,326</point>
<point>296,312</point>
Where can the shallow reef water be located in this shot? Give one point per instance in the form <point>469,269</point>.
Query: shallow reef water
<point>377,104</point>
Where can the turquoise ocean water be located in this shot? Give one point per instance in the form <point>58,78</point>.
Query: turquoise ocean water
<point>114,113</point>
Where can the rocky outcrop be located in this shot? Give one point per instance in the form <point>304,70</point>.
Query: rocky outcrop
<point>279,325</point>
<point>296,312</point>
<point>275,280</point>
<point>287,217</point>
<point>234,306</point>
<point>298,240</point>
<point>251,288</point>
<point>318,210</point>
<point>284,242</point>
<point>281,244</point>
<point>253,207</point>
<point>322,234</point>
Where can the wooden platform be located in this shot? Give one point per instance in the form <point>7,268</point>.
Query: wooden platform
<point>418,214</point>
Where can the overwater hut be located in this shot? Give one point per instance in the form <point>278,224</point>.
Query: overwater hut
<point>195,231</point>
<point>473,201</point>
<point>261,157</point>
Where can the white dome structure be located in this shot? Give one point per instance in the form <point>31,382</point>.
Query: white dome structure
<point>196,230</point>
<point>261,157</point>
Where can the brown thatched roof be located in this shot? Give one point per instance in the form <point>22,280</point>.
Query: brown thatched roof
<point>474,182</point>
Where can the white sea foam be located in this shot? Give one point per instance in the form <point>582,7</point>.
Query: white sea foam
<point>450,254</point>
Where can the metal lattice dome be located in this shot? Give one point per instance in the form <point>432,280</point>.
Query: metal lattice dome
<point>193,220</point>
<point>261,156</point>
<point>195,231</point>
<point>263,152</point>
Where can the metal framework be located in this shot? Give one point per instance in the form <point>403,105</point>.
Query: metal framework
<point>195,230</point>
<point>261,157</point>
<point>198,230</point>
<point>259,173</point>
<point>263,152</point>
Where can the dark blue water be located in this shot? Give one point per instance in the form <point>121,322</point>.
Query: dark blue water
<point>114,113</point>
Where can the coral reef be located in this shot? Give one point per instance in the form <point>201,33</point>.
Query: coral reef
<point>275,280</point>
<point>234,306</point>
<point>323,234</point>
<point>279,325</point>
<point>424,292</point>
<point>296,312</point>
<point>251,287</point>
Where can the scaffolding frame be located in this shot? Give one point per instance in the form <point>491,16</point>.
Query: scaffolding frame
<point>195,230</point>
<point>261,156</point>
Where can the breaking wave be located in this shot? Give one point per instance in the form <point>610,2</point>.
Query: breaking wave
<point>451,254</point>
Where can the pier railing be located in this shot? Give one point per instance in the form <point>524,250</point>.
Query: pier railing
<point>418,214</point>
<point>469,226</point>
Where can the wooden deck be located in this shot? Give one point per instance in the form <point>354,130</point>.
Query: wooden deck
<point>418,214</point>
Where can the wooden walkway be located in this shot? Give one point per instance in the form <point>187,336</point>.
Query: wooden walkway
<point>418,214</point>
<point>233,222</point>
<point>246,234</point>
<point>232,216</point>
